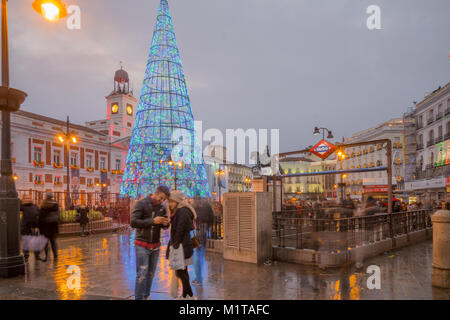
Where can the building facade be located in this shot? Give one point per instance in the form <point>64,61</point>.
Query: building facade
<point>430,168</point>
<point>308,187</point>
<point>96,157</point>
<point>375,184</point>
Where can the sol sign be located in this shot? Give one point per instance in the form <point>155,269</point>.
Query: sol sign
<point>323,149</point>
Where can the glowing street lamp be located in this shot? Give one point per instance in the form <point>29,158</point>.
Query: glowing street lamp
<point>69,138</point>
<point>178,164</point>
<point>220,173</point>
<point>51,10</point>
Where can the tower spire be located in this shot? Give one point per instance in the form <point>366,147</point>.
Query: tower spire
<point>164,126</point>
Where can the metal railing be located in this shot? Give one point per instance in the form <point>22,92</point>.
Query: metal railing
<point>345,233</point>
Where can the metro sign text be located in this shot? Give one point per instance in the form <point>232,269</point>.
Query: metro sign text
<point>323,149</point>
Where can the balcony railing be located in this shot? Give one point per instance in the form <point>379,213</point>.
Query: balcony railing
<point>439,139</point>
<point>439,115</point>
<point>430,143</point>
<point>430,120</point>
<point>419,125</point>
<point>432,171</point>
<point>447,111</point>
<point>447,136</point>
<point>419,146</point>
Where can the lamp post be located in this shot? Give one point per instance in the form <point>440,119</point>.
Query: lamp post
<point>220,173</point>
<point>68,137</point>
<point>11,260</point>
<point>342,156</point>
<point>316,132</point>
<point>175,165</point>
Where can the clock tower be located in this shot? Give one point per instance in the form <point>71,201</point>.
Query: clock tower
<point>120,109</point>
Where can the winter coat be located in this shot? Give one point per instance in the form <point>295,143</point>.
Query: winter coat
<point>49,218</point>
<point>84,219</point>
<point>142,220</point>
<point>30,215</point>
<point>182,222</point>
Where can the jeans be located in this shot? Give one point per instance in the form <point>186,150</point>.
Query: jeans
<point>199,258</point>
<point>146,262</point>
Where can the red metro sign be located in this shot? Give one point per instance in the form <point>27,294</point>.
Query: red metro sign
<point>323,149</point>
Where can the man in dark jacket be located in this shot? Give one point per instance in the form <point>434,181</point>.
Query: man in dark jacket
<point>82,212</point>
<point>148,217</point>
<point>49,223</point>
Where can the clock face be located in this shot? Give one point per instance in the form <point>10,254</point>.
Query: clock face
<point>129,110</point>
<point>115,108</point>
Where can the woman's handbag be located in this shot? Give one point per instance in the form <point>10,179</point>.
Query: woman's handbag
<point>34,243</point>
<point>194,239</point>
<point>176,258</point>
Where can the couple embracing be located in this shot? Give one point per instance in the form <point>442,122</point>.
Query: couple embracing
<point>149,217</point>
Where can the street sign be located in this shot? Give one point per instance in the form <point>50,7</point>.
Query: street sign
<point>376,189</point>
<point>323,149</point>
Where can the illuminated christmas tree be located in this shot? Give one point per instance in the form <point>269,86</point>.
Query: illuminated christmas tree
<point>164,148</point>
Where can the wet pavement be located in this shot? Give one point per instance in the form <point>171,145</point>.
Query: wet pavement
<point>107,265</point>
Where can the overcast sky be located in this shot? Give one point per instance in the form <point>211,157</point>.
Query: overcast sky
<point>287,64</point>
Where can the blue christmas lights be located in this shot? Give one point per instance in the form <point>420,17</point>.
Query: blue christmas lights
<point>163,115</point>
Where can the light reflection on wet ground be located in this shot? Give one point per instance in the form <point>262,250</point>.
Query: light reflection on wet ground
<point>107,264</point>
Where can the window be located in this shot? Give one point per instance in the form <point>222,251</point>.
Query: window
<point>74,159</point>
<point>432,158</point>
<point>89,182</point>
<point>430,115</point>
<point>448,127</point>
<point>89,161</point>
<point>58,180</point>
<point>420,121</point>
<point>57,157</point>
<point>431,135</point>
<point>440,132</point>
<point>118,166</point>
<point>38,154</point>
<point>38,179</point>
<point>102,163</point>
<point>420,142</point>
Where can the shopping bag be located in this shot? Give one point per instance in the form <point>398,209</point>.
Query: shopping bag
<point>34,243</point>
<point>176,258</point>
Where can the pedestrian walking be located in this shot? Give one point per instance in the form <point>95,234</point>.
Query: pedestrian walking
<point>83,218</point>
<point>49,223</point>
<point>182,221</point>
<point>149,216</point>
<point>203,226</point>
<point>29,222</point>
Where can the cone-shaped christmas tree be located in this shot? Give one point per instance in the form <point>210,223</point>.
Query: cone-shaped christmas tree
<point>164,148</point>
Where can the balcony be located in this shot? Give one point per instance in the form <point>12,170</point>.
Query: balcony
<point>432,171</point>
<point>439,139</point>
<point>419,147</point>
<point>439,116</point>
<point>430,143</point>
<point>419,125</point>
<point>430,120</point>
<point>447,111</point>
<point>447,136</point>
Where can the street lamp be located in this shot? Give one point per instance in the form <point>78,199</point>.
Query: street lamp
<point>175,165</point>
<point>68,137</point>
<point>220,173</point>
<point>11,260</point>
<point>318,130</point>
<point>52,10</point>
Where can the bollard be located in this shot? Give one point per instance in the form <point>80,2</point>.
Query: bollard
<point>441,249</point>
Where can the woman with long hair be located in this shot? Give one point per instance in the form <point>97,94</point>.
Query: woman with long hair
<point>182,219</point>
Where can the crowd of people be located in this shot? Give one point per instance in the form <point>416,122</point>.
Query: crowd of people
<point>349,207</point>
<point>43,220</point>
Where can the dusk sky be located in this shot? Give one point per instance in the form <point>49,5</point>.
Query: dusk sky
<point>287,64</point>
